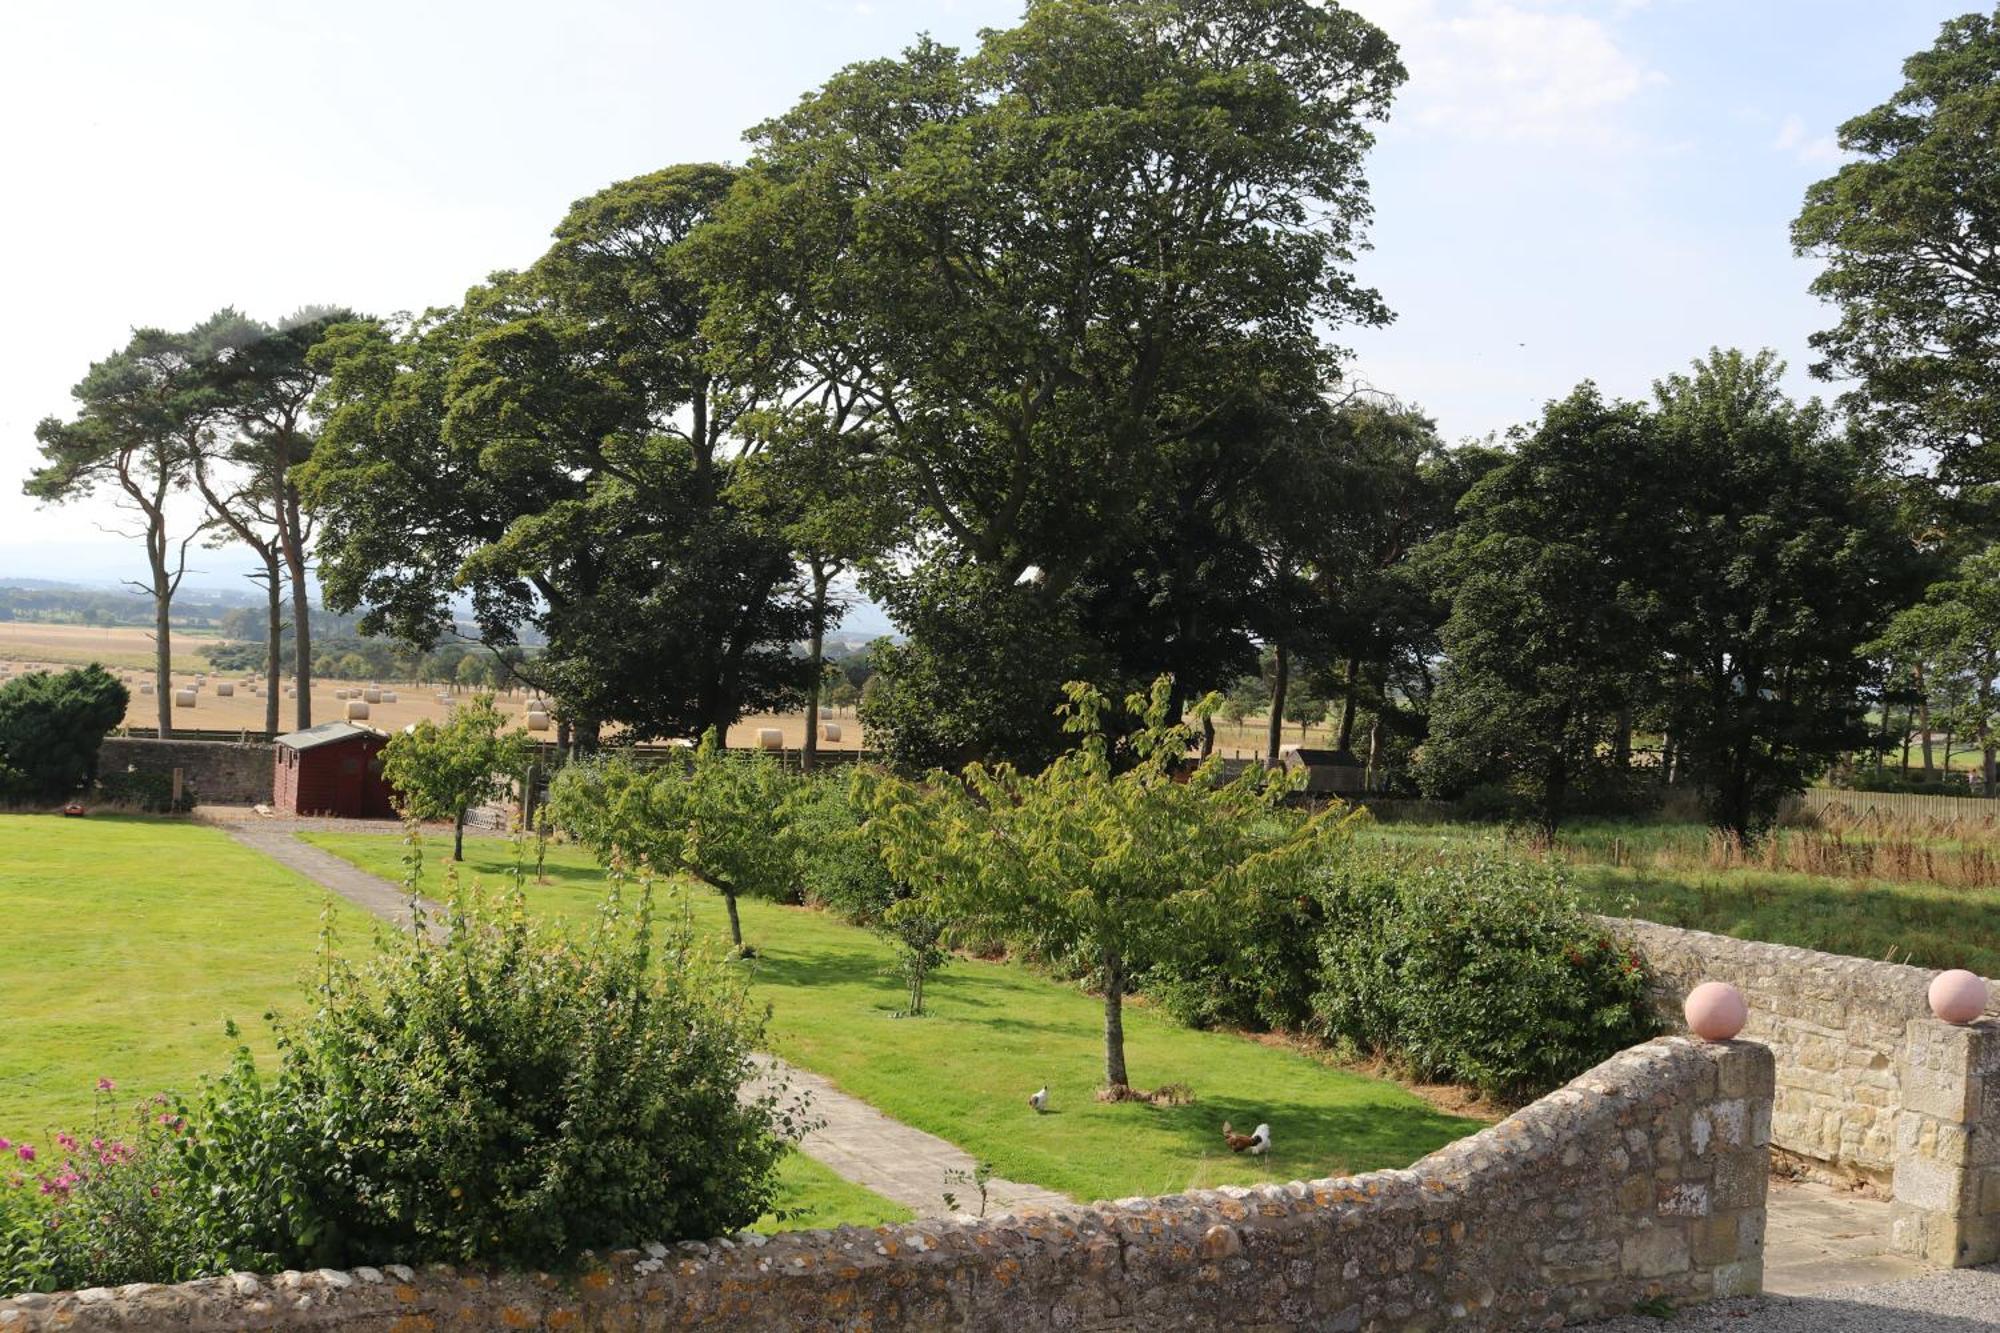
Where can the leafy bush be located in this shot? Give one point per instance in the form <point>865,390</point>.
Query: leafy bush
<point>495,1092</point>
<point>841,868</point>
<point>102,1208</point>
<point>443,770</point>
<point>50,728</point>
<point>1473,967</point>
<point>1262,977</point>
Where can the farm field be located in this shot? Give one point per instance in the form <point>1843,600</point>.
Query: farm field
<point>997,1032</point>
<point>1941,907</point>
<point>25,644</point>
<point>130,942</point>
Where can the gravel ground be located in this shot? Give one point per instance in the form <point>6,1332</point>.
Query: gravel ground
<point>1959,1301</point>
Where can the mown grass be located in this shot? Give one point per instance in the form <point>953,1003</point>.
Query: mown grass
<point>125,946</point>
<point>996,1032</point>
<point>127,943</point>
<point>1928,924</point>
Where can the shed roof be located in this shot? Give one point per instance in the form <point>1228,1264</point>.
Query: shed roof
<point>326,733</point>
<point>1327,758</point>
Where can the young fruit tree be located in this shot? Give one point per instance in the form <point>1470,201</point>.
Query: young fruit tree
<point>715,815</point>
<point>1112,859</point>
<point>441,771</point>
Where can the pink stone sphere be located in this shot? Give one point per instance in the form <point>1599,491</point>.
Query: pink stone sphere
<point>1716,1011</point>
<point>1958,996</point>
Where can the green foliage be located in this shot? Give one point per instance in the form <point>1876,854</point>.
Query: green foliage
<point>1904,231</point>
<point>715,815</point>
<point>1259,976</point>
<point>50,727</point>
<point>1955,631</point>
<point>1473,967</point>
<point>842,867</point>
<point>151,792</point>
<point>497,1092</point>
<point>105,1207</point>
<point>442,770</point>
<point>1111,863</point>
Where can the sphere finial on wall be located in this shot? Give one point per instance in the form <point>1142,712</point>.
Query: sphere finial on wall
<point>1958,996</point>
<point>1716,1011</point>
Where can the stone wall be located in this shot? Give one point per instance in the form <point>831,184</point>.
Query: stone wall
<point>221,772</point>
<point>1643,1180</point>
<point>1869,1085</point>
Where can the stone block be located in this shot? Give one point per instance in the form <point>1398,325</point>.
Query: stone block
<point>1655,1252</point>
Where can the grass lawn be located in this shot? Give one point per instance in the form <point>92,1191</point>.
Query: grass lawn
<point>812,1196</point>
<point>1930,925</point>
<point>127,944</point>
<point>997,1032</point>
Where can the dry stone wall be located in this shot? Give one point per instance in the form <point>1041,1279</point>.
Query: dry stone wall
<point>1869,1085</point>
<point>1642,1180</point>
<point>221,772</point>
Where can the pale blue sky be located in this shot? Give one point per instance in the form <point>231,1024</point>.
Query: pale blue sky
<point>1568,188</point>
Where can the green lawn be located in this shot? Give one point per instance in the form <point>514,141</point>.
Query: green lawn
<point>127,943</point>
<point>997,1033</point>
<point>1930,925</point>
<point>811,1195</point>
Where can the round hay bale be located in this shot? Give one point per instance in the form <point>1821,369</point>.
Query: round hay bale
<point>373,694</point>
<point>444,698</point>
<point>537,720</point>
<point>184,698</point>
<point>357,711</point>
<point>146,687</point>
<point>770,738</point>
<point>225,691</point>
<point>388,696</point>
<point>829,731</point>
<point>291,691</point>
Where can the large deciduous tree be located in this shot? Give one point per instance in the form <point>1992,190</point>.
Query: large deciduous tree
<point>1780,565</point>
<point>1548,642</point>
<point>1908,233</point>
<point>1955,632</point>
<point>1022,280</point>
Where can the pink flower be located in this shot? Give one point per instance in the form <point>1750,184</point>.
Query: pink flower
<point>5,1145</point>
<point>67,1142</point>
<point>106,1085</point>
<point>26,1152</point>
<point>97,1144</point>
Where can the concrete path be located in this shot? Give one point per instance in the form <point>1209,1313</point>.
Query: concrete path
<point>853,1139</point>
<point>1820,1238</point>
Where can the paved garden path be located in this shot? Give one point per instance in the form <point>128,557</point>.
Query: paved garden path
<point>852,1138</point>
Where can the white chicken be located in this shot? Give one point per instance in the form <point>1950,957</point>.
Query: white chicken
<point>1260,1141</point>
<point>1040,1101</point>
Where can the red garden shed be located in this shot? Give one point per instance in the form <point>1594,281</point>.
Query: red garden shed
<point>334,768</point>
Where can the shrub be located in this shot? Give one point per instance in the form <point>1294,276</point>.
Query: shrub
<point>151,792</point>
<point>1474,968</point>
<point>495,1092</point>
<point>101,1208</point>
<point>841,868</point>
<point>443,770</point>
<point>51,725</point>
<point>1263,976</point>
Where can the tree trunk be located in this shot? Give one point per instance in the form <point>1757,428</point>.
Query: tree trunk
<point>458,837</point>
<point>1345,737</point>
<point>274,646</point>
<point>302,715</point>
<point>1280,679</point>
<point>1207,736</point>
<point>1924,720</point>
<point>163,651</point>
<point>735,922</point>
<point>1114,1021</point>
<point>816,653</point>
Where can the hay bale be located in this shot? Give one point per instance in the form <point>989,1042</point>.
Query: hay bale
<point>770,738</point>
<point>146,687</point>
<point>291,691</point>
<point>357,711</point>
<point>829,731</point>
<point>537,720</point>
<point>388,696</point>
<point>373,694</point>
<point>184,698</point>
<point>225,691</point>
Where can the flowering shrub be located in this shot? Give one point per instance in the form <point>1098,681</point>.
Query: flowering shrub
<point>101,1208</point>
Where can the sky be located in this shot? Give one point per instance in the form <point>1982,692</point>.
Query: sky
<point>1565,190</point>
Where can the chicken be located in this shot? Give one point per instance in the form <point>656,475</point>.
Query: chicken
<point>1040,1101</point>
<point>1237,1142</point>
<point>1260,1141</point>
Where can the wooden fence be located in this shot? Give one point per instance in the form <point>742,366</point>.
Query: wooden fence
<point>1902,805</point>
